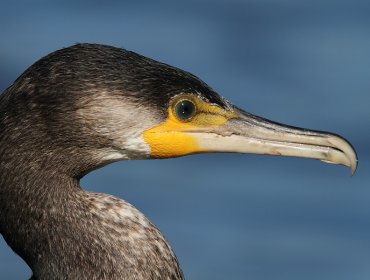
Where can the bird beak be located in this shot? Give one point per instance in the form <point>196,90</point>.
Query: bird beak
<point>246,133</point>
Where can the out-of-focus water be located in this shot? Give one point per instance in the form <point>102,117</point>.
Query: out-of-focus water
<point>305,63</point>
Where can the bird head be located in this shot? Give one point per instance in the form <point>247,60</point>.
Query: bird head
<point>114,104</point>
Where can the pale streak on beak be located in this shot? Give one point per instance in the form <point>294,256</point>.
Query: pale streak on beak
<point>252,134</point>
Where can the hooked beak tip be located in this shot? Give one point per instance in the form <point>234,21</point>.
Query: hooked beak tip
<point>348,151</point>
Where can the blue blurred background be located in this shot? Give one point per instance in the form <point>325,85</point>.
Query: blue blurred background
<point>304,63</point>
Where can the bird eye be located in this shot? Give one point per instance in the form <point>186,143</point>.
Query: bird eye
<point>185,110</point>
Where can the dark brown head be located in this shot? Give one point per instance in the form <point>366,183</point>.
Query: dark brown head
<point>87,105</point>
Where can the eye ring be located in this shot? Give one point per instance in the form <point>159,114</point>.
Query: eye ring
<point>185,109</point>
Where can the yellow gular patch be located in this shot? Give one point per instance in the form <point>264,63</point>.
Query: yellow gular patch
<point>173,137</point>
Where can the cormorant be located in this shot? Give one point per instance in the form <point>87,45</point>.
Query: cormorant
<point>85,106</point>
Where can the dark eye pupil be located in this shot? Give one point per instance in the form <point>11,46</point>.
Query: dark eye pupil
<point>185,109</point>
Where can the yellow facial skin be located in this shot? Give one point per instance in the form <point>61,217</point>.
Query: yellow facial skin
<point>213,129</point>
<point>170,138</point>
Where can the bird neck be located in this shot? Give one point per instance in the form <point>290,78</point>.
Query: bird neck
<point>63,231</point>
<point>30,196</point>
